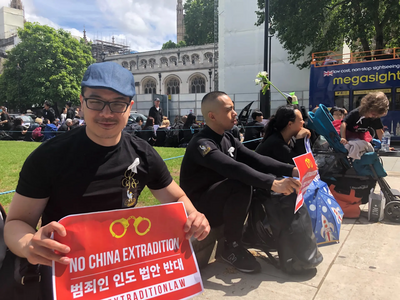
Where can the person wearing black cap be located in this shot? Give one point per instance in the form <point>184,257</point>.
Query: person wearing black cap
<point>156,112</point>
<point>48,111</point>
<point>218,174</point>
<point>253,130</point>
<point>105,169</point>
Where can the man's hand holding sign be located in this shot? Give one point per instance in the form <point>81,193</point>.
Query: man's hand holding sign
<point>132,252</point>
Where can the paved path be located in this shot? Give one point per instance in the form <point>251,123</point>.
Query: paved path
<point>364,265</point>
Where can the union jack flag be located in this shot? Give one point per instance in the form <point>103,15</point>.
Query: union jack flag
<point>328,73</point>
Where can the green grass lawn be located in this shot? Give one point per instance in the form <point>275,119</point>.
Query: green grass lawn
<point>14,153</point>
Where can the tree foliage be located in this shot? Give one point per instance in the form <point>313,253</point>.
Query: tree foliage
<point>199,22</point>
<point>171,45</point>
<point>168,45</point>
<point>46,64</point>
<point>306,26</point>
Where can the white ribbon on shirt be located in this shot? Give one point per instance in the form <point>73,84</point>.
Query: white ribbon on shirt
<point>230,151</point>
<point>359,121</point>
<point>133,166</point>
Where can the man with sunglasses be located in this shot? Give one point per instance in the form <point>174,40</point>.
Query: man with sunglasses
<point>102,167</point>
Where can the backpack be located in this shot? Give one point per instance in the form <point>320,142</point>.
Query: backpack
<point>272,221</point>
<point>19,280</point>
<point>37,133</point>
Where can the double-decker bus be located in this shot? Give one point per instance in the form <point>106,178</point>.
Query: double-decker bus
<point>344,79</point>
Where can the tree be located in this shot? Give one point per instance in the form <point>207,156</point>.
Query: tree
<point>181,44</point>
<point>168,45</point>
<point>171,45</point>
<point>305,26</point>
<point>47,64</point>
<point>199,22</point>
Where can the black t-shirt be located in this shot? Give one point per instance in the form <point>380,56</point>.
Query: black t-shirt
<point>161,136</point>
<point>49,114</point>
<point>253,131</point>
<point>6,125</point>
<point>189,132</point>
<point>276,147</point>
<point>148,134</point>
<point>70,113</point>
<point>16,133</point>
<point>156,114</point>
<point>354,121</point>
<point>212,158</point>
<point>80,176</point>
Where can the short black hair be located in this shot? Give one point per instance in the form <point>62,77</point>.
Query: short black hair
<point>255,114</point>
<point>138,119</point>
<point>335,108</point>
<point>212,96</point>
<point>69,103</point>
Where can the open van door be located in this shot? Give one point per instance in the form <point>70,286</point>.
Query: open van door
<point>244,115</point>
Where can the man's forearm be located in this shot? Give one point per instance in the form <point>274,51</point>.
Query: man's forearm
<point>188,204</point>
<point>17,235</point>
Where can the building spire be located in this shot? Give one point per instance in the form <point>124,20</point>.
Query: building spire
<point>17,4</point>
<point>84,34</point>
<point>180,23</point>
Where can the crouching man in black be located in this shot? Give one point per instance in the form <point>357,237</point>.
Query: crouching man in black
<point>218,174</point>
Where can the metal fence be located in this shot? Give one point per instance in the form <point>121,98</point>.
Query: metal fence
<point>183,104</point>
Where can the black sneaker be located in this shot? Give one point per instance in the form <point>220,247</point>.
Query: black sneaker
<point>240,258</point>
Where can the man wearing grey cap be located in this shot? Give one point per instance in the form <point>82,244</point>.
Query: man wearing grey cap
<point>156,112</point>
<point>98,160</point>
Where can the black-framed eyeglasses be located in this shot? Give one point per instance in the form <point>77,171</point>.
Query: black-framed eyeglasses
<point>99,105</point>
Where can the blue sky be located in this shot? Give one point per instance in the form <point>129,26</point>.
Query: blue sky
<point>142,24</point>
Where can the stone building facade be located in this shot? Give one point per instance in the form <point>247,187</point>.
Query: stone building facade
<point>171,71</point>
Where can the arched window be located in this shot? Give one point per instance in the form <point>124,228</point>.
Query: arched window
<point>132,65</point>
<point>185,59</point>
<point>195,58</point>
<point>143,63</point>
<point>125,64</point>
<point>208,56</point>
<point>173,60</point>
<point>173,86</point>
<point>152,62</point>
<point>164,61</point>
<point>198,85</point>
<point>149,86</point>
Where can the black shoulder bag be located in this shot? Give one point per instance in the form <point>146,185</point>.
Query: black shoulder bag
<point>19,280</point>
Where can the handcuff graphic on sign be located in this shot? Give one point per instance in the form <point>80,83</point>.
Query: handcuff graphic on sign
<point>125,223</point>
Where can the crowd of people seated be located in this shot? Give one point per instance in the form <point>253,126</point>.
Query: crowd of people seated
<point>177,134</point>
<point>43,128</point>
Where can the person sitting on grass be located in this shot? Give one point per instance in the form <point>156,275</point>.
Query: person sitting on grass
<point>18,131</point>
<point>161,133</point>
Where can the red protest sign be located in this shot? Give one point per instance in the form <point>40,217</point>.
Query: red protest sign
<point>308,169</point>
<point>137,253</point>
